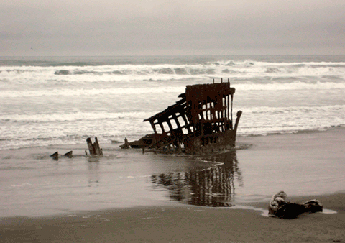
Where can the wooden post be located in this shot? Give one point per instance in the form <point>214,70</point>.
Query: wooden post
<point>97,148</point>
<point>94,148</point>
<point>90,147</point>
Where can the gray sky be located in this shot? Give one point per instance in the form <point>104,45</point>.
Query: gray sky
<point>141,27</point>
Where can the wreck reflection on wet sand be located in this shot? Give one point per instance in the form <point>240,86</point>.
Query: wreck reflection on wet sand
<point>204,186</point>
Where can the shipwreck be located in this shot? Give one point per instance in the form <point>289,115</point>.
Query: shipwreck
<point>200,121</point>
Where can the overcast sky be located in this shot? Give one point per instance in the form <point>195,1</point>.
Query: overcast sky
<point>141,27</point>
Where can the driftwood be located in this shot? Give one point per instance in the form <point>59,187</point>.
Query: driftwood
<point>94,148</point>
<point>56,155</point>
<point>69,154</point>
<point>288,210</point>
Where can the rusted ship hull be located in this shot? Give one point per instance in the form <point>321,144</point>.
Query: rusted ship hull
<point>200,122</point>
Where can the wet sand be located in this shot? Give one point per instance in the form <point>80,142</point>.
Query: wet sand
<point>180,224</point>
<point>186,223</point>
<point>308,163</point>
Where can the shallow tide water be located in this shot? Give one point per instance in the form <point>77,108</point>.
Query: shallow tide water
<point>33,184</point>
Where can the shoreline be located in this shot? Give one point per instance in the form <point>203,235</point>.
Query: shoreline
<point>184,223</point>
<point>35,184</point>
<point>244,137</point>
<point>332,201</point>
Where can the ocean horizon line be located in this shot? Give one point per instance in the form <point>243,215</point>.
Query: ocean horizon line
<point>172,55</point>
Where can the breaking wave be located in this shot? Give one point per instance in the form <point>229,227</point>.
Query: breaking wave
<point>75,116</point>
<point>234,70</point>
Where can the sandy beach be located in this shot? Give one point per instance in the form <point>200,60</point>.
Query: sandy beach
<point>180,222</point>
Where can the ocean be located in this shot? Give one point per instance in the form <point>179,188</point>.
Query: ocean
<point>60,101</point>
<point>63,100</point>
